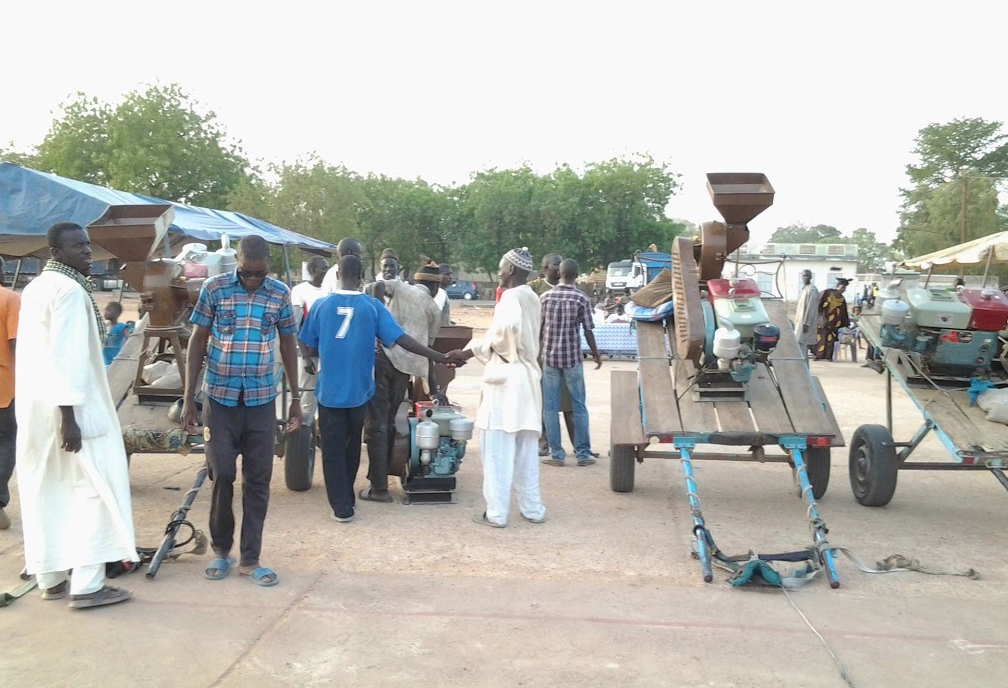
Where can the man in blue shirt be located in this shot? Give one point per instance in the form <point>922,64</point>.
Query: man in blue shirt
<point>235,325</point>
<point>341,329</point>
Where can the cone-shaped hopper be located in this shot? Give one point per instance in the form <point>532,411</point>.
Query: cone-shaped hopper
<point>131,232</point>
<point>740,196</point>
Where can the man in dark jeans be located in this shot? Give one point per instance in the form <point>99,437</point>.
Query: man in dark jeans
<point>10,304</point>
<point>235,325</point>
<point>415,311</point>
<point>341,330</point>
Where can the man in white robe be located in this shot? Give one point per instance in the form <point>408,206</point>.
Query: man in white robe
<point>510,402</point>
<point>71,464</point>
<point>807,313</point>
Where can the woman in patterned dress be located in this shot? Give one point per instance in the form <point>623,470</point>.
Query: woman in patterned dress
<point>832,316</point>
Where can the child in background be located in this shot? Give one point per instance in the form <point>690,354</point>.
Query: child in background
<point>117,332</point>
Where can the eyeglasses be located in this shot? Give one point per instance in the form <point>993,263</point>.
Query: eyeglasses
<point>249,274</point>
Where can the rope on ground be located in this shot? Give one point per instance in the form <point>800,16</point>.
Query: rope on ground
<point>836,660</point>
<point>898,563</point>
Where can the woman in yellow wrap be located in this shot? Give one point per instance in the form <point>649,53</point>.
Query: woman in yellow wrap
<point>832,316</point>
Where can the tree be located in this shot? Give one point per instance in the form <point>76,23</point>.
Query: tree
<point>24,158</point>
<point>801,234</point>
<point>154,143</point>
<point>953,197</point>
<point>624,209</point>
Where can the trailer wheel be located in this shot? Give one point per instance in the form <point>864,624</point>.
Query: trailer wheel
<point>872,465</point>
<point>621,468</point>
<point>299,459</point>
<point>817,465</point>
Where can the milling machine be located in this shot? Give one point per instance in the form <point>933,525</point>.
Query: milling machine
<point>945,332</point>
<point>431,437</point>
<point>168,287</point>
<point>721,324</point>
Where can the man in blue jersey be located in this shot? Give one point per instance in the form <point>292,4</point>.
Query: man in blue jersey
<point>341,330</point>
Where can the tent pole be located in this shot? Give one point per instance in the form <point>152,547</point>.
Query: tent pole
<point>990,254</point>
<point>287,265</point>
<point>928,278</point>
<point>17,274</point>
<point>287,384</point>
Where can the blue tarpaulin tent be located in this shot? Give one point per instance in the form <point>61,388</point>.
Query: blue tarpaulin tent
<point>32,201</point>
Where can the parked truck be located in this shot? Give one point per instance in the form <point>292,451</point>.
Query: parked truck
<point>635,272</point>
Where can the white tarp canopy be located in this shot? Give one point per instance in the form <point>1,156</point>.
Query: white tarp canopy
<point>992,248</point>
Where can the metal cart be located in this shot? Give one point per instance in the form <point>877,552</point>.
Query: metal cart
<point>785,407</point>
<point>876,458</point>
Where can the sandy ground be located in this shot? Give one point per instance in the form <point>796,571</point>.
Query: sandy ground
<point>605,592</point>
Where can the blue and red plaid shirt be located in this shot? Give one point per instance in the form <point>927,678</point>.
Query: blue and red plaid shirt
<point>243,329</point>
<point>564,309</point>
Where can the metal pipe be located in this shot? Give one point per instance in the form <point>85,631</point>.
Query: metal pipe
<point>944,466</point>
<point>888,399</point>
<point>772,458</point>
<point>699,527</point>
<point>990,254</point>
<point>914,442</point>
<point>999,474</point>
<point>818,530</point>
<point>168,543</point>
<point>287,265</point>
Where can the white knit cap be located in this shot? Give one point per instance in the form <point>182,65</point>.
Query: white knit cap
<point>520,258</point>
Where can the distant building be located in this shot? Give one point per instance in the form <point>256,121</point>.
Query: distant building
<point>777,268</point>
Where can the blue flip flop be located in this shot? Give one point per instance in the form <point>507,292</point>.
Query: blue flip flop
<point>261,576</point>
<point>221,565</point>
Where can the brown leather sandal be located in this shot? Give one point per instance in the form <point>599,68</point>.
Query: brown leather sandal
<point>56,592</point>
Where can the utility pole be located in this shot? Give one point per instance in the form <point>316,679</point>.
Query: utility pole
<point>962,216</point>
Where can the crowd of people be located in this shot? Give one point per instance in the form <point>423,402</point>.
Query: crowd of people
<point>352,353</point>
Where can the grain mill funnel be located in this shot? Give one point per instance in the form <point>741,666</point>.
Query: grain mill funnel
<point>740,196</point>
<point>131,233</point>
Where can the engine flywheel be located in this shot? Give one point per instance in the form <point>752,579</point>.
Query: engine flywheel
<point>689,317</point>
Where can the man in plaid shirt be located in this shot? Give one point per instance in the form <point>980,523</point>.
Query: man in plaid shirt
<point>235,326</point>
<point>565,309</point>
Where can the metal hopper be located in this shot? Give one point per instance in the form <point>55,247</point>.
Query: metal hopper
<point>740,196</point>
<point>132,232</point>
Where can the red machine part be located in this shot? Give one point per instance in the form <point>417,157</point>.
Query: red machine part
<point>421,406</point>
<point>722,289</point>
<point>990,309</point>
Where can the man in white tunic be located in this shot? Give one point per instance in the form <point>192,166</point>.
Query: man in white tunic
<point>510,403</point>
<point>71,464</point>
<point>807,313</point>
<point>303,297</point>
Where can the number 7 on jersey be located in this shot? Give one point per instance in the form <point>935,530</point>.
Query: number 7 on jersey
<point>347,313</point>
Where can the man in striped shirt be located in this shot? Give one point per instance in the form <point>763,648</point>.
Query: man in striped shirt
<point>566,309</point>
<point>235,325</point>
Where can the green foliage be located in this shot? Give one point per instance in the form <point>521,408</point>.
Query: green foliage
<point>157,143</point>
<point>872,253</point>
<point>960,166</point>
<point>10,154</point>
<point>802,234</point>
<point>605,214</point>
<point>154,143</point>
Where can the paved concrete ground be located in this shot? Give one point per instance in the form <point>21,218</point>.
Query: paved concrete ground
<point>605,592</point>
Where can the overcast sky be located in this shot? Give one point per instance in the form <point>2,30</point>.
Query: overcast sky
<point>825,98</point>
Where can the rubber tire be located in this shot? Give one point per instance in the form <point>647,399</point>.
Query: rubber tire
<point>299,459</point>
<point>467,296</point>
<point>876,485</point>
<point>622,460</point>
<point>817,466</point>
